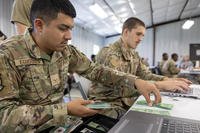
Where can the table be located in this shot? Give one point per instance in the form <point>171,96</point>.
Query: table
<point>183,107</point>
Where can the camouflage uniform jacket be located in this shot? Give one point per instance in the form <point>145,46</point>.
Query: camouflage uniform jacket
<point>169,69</point>
<point>126,60</point>
<point>32,83</point>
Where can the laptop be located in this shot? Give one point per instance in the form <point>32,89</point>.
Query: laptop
<point>140,122</point>
<point>80,88</point>
<point>193,93</point>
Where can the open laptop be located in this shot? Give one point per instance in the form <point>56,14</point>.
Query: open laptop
<point>193,93</point>
<point>140,122</point>
<point>80,88</point>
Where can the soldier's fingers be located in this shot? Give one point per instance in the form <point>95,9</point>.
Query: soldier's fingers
<point>177,89</point>
<point>184,80</point>
<point>157,96</point>
<point>147,97</point>
<point>184,87</point>
<point>85,102</point>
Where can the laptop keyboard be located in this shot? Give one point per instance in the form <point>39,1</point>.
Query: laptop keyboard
<point>195,89</point>
<point>177,126</point>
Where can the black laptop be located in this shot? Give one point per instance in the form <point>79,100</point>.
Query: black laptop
<point>140,122</point>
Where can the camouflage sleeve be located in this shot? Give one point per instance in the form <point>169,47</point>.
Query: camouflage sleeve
<point>112,61</point>
<point>20,12</point>
<point>14,115</point>
<point>172,68</point>
<point>80,64</point>
<point>144,73</point>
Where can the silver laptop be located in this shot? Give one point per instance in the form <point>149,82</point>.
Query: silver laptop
<point>193,93</point>
<point>80,88</point>
<point>140,122</point>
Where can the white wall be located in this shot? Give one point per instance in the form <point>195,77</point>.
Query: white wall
<point>84,40</point>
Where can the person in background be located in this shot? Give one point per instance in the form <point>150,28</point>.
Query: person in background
<point>121,56</point>
<point>93,57</point>
<point>165,58</point>
<point>2,36</point>
<point>186,64</point>
<point>145,61</point>
<point>170,68</point>
<point>20,15</point>
<point>34,67</point>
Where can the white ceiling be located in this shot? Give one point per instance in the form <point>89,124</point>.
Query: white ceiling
<point>152,12</point>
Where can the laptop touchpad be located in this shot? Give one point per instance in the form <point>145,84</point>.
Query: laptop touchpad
<point>132,126</point>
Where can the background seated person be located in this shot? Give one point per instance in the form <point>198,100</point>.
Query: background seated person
<point>169,68</point>
<point>2,36</point>
<point>186,64</point>
<point>165,58</point>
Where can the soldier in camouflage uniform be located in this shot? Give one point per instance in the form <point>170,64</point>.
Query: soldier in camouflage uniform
<point>34,67</point>
<point>169,68</point>
<point>122,56</point>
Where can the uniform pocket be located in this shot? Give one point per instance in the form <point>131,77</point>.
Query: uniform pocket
<point>35,84</point>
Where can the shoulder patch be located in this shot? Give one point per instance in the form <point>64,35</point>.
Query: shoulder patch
<point>115,62</point>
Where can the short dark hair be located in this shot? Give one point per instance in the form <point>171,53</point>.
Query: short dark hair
<point>49,9</point>
<point>2,34</point>
<point>174,55</point>
<point>131,23</point>
<point>165,56</point>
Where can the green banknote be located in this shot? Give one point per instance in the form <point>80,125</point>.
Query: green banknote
<point>99,105</point>
<point>159,105</point>
<point>152,111</point>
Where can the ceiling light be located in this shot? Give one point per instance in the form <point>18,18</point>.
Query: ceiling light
<point>113,18</point>
<point>118,28</point>
<point>132,7</point>
<point>97,10</point>
<point>188,24</point>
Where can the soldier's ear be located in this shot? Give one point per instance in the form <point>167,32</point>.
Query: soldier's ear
<point>39,24</point>
<point>125,32</point>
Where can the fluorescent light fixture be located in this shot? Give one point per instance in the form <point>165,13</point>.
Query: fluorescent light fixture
<point>132,7</point>
<point>188,24</point>
<point>97,10</point>
<point>96,49</point>
<point>124,15</point>
<point>113,18</point>
<point>118,28</point>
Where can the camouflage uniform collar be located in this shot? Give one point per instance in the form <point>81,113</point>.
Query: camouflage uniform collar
<point>128,54</point>
<point>35,51</point>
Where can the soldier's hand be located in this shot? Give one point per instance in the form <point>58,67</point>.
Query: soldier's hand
<point>172,85</point>
<point>78,108</point>
<point>179,79</point>
<point>145,88</point>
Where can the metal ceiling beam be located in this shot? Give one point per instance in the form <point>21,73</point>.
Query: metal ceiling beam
<point>176,20</point>
<point>179,17</point>
<point>130,7</point>
<point>173,21</point>
<point>112,10</point>
<point>151,8</point>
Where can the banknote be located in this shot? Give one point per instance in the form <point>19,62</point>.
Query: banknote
<point>159,105</point>
<point>99,105</point>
